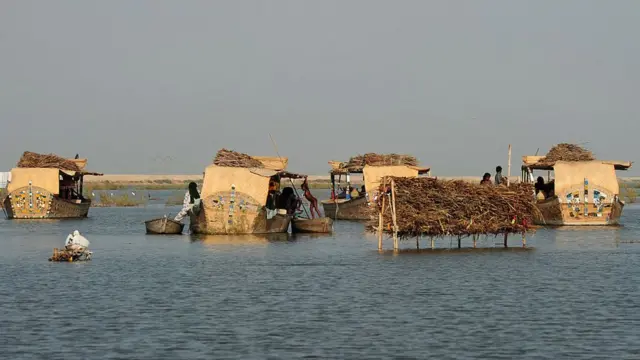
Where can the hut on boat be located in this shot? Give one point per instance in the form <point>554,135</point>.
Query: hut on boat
<point>47,187</point>
<point>238,195</point>
<point>583,191</point>
<point>415,207</point>
<point>373,168</point>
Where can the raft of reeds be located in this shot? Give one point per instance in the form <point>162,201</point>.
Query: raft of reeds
<point>438,208</point>
<point>70,256</point>
<point>34,160</point>
<point>566,152</point>
<point>373,159</point>
<point>230,158</point>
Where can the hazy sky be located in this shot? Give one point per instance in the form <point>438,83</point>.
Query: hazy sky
<point>159,86</point>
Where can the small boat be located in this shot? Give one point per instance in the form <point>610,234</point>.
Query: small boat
<point>319,225</point>
<point>163,225</point>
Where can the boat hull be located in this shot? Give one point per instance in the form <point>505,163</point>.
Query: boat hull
<point>320,225</point>
<point>551,212</point>
<point>37,203</point>
<point>341,209</point>
<point>163,226</point>
<point>242,215</point>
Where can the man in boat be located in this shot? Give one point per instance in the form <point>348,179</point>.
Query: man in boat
<point>500,180</point>
<point>313,202</point>
<point>547,190</point>
<point>288,201</point>
<point>486,179</point>
<point>191,200</point>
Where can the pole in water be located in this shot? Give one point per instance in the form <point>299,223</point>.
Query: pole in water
<point>433,243</point>
<point>524,241</point>
<point>459,244</point>
<point>475,238</point>
<point>505,239</point>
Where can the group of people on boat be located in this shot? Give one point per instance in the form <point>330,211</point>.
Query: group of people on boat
<point>499,179</point>
<point>545,190</point>
<point>353,192</point>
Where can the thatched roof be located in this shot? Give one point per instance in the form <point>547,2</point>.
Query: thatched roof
<point>230,158</point>
<point>356,163</point>
<point>34,160</point>
<point>431,207</point>
<point>569,153</point>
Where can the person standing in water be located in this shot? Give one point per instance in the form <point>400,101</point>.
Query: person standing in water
<point>313,202</point>
<point>191,199</point>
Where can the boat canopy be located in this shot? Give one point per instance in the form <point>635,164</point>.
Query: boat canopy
<point>533,163</point>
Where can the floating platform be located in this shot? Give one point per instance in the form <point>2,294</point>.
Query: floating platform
<point>70,256</point>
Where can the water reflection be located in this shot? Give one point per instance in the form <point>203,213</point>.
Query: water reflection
<point>570,237</point>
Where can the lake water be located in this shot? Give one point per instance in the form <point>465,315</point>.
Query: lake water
<point>576,295</point>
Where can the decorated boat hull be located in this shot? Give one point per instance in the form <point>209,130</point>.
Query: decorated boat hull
<point>342,209</point>
<point>235,212</point>
<point>319,225</point>
<point>552,212</point>
<point>37,203</point>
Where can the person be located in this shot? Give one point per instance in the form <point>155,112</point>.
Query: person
<point>76,242</point>
<point>499,178</point>
<point>362,191</point>
<point>313,202</point>
<point>486,179</point>
<point>191,200</point>
<point>288,201</point>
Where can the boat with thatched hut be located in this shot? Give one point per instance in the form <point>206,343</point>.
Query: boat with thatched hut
<point>237,195</point>
<point>373,168</point>
<point>584,190</point>
<point>428,207</point>
<point>47,187</point>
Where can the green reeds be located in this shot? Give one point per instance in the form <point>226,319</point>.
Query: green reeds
<point>106,199</point>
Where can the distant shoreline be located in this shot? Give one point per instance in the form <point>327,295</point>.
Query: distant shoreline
<point>167,182</point>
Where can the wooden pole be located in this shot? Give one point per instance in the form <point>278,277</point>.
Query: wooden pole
<point>459,244</point>
<point>509,165</point>
<point>381,221</point>
<point>524,241</point>
<point>393,213</point>
<point>475,239</point>
<point>418,242</point>
<point>505,239</point>
<point>433,243</point>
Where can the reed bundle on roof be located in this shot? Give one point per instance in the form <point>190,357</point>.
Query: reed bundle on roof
<point>437,208</point>
<point>232,158</point>
<point>373,159</point>
<point>34,160</point>
<point>566,152</point>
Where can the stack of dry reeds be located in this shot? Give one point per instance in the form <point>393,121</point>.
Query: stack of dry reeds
<point>431,207</point>
<point>230,158</point>
<point>373,159</point>
<point>566,152</point>
<point>34,160</point>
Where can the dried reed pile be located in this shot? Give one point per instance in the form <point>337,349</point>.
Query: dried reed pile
<point>34,160</point>
<point>232,158</point>
<point>566,152</point>
<point>373,159</point>
<point>437,208</point>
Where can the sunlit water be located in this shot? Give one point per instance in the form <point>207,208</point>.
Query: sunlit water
<point>575,296</point>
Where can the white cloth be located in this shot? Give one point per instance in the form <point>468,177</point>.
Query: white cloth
<point>186,206</point>
<point>76,242</point>
<point>5,178</point>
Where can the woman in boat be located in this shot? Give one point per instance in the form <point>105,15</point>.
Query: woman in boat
<point>313,202</point>
<point>191,200</point>
<point>486,179</point>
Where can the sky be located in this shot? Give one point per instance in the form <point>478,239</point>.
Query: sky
<point>157,87</point>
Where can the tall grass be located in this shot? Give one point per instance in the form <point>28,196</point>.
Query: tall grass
<point>107,200</point>
<point>628,193</point>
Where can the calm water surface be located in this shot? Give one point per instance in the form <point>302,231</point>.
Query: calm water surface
<point>576,296</point>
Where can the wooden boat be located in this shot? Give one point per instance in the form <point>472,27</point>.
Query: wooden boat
<point>358,208</point>
<point>318,225</point>
<point>163,225</point>
<point>46,193</point>
<point>584,192</point>
<point>343,209</point>
<point>234,198</point>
